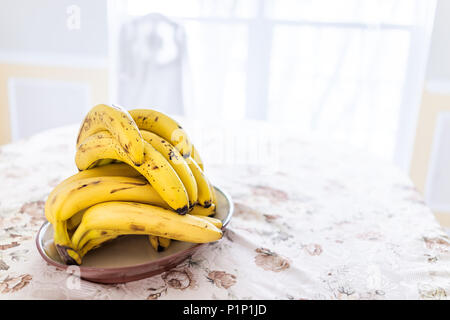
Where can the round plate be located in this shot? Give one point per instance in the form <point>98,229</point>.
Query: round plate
<point>129,258</point>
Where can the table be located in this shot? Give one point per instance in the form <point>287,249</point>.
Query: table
<point>327,222</point>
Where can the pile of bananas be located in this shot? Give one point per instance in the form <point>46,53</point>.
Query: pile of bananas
<point>138,174</point>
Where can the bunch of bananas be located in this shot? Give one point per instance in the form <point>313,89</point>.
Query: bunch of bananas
<point>138,174</point>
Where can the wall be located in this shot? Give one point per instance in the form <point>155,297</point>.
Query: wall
<point>46,40</point>
<point>435,102</point>
<point>96,79</point>
<point>45,26</point>
<point>439,57</point>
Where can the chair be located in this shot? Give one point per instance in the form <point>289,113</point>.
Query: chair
<point>151,58</point>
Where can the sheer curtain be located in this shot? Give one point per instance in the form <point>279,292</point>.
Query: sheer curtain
<point>350,69</point>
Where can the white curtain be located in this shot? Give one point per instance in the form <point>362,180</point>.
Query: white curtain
<point>350,69</point>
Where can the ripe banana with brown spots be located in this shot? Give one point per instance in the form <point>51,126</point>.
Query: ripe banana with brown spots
<point>68,201</point>
<point>165,127</point>
<point>176,160</point>
<point>118,122</point>
<point>113,169</point>
<point>159,243</point>
<point>196,156</point>
<point>202,211</point>
<point>216,222</point>
<point>197,159</point>
<point>138,169</point>
<point>155,168</point>
<point>121,218</point>
<point>98,237</point>
<point>95,243</point>
<point>198,210</point>
<point>205,195</point>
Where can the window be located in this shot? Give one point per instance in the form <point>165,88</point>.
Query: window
<point>350,69</point>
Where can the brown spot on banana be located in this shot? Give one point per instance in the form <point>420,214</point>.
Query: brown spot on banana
<point>62,251</point>
<point>88,184</point>
<point>136,183</point>
<point>120,189</point>
<point>207,204</point>
<point>136,227</point>
<point>182,210</point>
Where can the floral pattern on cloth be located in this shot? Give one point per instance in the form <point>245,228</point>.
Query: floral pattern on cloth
<point>330,222</point>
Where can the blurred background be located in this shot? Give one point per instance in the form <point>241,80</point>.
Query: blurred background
<point>373,74</point>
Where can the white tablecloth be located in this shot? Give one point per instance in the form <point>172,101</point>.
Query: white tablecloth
<point>329,223</point>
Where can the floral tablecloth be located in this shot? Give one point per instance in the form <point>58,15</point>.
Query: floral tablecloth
<point>327,222</point>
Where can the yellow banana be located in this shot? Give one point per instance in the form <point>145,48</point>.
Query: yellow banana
<point>113,169</point>
<point>78,195</point>
<point>120,124</point>
<point>177,162</point>
<point>202,211</point>
<point>81,194</point>
<point>204,189</point>
<point>159,174</point>
<point>216,222</point>
<point>119,169</point>
<point>197,210</point>
<point>156,169</point>
<point>159,243</point>
<point>75,220</point>
<point>137,218</point>
<point>164,126</point>
<point>155,243</point>
<point>103,162</point>
<point>63,243</point>
<point>196,156</point>
<point>97,238</point>
<point>164,242</point>
<point>95,243</point>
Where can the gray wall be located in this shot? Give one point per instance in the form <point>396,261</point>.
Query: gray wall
<point>439,56</point>
<point>41,26</point>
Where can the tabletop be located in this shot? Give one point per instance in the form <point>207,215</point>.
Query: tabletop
<point>317,220</point>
